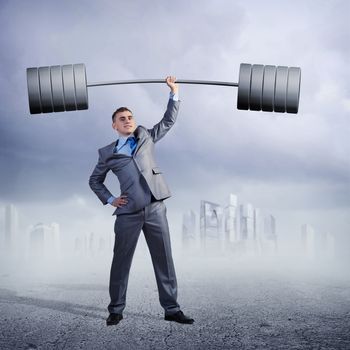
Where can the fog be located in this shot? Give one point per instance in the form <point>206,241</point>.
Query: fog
<point>294,167</point>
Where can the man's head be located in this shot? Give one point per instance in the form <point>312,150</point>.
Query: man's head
<point>123,121</point>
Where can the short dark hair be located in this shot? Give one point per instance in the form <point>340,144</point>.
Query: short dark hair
<point>120,109</point>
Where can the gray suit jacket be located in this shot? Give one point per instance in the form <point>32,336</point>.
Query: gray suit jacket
<point>139,176</point>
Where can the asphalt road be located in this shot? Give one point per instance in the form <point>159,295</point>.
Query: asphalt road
<point>254,308</point>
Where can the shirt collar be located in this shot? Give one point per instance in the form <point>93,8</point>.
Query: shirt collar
<point>122,140</point>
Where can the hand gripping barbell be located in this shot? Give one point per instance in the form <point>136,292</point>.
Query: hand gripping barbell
<point>64,88</point>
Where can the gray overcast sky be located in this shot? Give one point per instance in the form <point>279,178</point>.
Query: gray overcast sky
<point>294,166</point>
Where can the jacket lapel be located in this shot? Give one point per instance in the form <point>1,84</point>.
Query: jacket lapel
<point>140,137</point>
<point>111,152</point>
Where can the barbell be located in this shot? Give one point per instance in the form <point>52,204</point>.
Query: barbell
<point>64,88</point>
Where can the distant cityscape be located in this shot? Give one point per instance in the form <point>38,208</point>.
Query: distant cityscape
<point>231,229</point>
<point>241,229</point>
<point>44,241</point>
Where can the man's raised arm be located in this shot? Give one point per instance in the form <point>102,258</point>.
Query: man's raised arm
<point>169,118</point>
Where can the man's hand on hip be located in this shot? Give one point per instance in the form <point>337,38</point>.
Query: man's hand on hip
<point>120,201</point>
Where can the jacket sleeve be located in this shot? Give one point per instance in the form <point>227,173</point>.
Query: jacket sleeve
<point>97,178</point>
<point>168,120</point>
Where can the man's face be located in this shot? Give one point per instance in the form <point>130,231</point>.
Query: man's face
<point>124,123</point>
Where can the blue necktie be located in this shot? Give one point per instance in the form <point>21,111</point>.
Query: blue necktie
<point>132,143</point>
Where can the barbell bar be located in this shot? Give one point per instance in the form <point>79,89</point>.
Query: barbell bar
<point>64,88</point>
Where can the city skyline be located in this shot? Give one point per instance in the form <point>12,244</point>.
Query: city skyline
<point>243,229</point>
<point>234,227</point>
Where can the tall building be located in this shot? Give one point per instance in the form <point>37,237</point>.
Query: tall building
<point>189,229</point>
<point>330,246</point>
<point>259,230</point>
<point>78,246</point>
<point>54,239</point>
<point>317,244</point>
<point>11,230</point>
<point>247,236</point>
<point>258,223</point>
<point>269,242</point>
<point>247,222</point>
<point>324,245</point>
<point>44,241</point>
<point>270,227</point>
<point>308,241</point>
<point>211,215</point>
<point>91,244</point>
<point>231,224</point>
<point>101,245</point>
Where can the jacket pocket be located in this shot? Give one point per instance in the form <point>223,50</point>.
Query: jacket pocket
<point>156,170</point>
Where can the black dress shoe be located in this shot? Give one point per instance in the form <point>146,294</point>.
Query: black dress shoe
<point>113,319</point>
<point>179,317</point>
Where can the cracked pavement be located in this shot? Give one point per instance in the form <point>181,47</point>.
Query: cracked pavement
<point>254,308</point>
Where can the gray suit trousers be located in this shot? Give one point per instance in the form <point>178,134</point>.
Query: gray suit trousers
<point>153,222</point>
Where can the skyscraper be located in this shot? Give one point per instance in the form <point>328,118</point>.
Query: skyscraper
<point>230,211</point>
<point>269,243</point>
<point>189,229</point>
<point>246,222</point>
<point>259,230</point>
<point>330,246</point>
<point>11,230</point>
<point>44,241</point>
<point>247,236</point>
<point>308,240</point>
<point>211,225</point>
<point>270,227</point>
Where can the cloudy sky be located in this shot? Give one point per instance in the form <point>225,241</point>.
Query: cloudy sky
<point>296,167</point>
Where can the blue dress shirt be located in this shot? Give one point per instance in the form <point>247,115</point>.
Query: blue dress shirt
<point>123,147</point>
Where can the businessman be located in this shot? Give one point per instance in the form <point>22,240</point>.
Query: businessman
<point>139,206</point>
